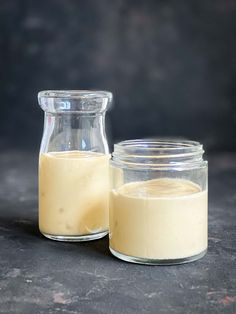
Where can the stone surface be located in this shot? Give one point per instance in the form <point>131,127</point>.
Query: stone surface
<point>41,276</point>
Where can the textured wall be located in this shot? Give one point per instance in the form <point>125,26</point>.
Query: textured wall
<point>170,64</point>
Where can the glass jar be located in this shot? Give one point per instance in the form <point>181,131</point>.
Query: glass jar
<point>74,165</point>
<point>158,202</point>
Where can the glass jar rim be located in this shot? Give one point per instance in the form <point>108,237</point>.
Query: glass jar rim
<point>158,153</point>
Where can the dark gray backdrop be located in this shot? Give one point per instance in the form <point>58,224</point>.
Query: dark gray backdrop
<point>170,64</point>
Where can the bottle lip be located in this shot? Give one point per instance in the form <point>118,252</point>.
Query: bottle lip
<point>158,153</point>
<point>74,101</point>
<point>75,94</point>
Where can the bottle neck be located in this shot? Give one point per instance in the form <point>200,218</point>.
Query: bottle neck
<point>74,131</point>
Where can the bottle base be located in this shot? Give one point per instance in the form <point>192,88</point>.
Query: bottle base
<point>146,261</point>
<point>76,238</point>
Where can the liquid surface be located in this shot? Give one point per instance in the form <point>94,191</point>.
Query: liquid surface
<point>159,219</point>
<point>73,193</point>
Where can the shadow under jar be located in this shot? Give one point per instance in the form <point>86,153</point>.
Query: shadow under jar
<point>74,165</point>
<point>158,202</point>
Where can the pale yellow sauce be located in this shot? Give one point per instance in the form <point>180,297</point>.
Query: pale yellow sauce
<point>73,193</point>
<point>159,219</point>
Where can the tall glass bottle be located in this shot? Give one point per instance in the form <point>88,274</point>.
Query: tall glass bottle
<point>74,165</point>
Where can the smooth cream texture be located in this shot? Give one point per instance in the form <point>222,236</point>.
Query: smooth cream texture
<point>73,193</point>
<point>159,219</point>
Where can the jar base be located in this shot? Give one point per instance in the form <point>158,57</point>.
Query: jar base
<point>76,238</point>
<point>146,261</point>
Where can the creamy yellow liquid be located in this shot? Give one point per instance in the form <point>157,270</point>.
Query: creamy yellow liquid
<point>159,219</point>
<point>73,193</point>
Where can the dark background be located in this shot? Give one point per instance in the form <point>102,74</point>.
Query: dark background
<point>170,65</point>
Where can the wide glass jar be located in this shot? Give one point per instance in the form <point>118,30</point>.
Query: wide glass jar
<point>74,165</point>
<point>158,202</point>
